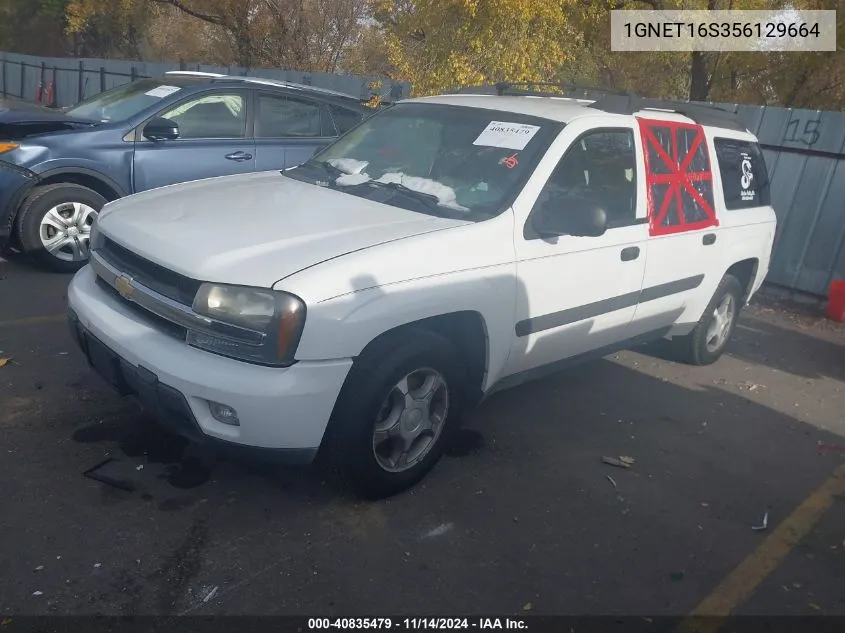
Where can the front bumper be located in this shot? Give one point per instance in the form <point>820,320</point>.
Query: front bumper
<point>15,182</point>
<point>282,409</point>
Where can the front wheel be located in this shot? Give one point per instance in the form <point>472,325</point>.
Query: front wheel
<point>706,343</point>
<point>54,225</point>
<point>399,405</point>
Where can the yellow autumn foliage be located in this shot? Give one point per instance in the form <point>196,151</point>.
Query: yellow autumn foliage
<point>437,45</point>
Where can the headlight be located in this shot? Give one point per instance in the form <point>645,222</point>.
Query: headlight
<point>251,324</point>
<point>8,147</point>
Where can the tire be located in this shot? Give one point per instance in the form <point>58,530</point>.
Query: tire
<point>699,347</point>
<point>62,215</point>
<point>370,395</point>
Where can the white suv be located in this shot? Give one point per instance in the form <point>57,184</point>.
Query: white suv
<point>444,249</point>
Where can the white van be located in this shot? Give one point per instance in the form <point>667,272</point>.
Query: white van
<point>444,249</point>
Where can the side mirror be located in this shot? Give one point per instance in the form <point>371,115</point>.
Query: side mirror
<point>161,129</point>
<point>570,216</point>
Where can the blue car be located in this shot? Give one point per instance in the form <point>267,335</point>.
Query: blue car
<point>58,168</point>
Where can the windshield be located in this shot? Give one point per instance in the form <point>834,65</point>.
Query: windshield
<point>434,158</point>
<point>124,102</point>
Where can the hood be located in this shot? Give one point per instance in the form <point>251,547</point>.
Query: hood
<point>254,229</point>
<point>19,119</point>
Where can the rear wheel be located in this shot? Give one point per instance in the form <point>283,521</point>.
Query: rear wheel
<point>398,407</point>
<point>706,343</point>
<point>54,225</point>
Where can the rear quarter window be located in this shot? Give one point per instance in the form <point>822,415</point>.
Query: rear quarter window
<point>745,180</point>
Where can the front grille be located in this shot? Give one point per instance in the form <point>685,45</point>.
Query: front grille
<point>165,282</point>
<point>168,327</point>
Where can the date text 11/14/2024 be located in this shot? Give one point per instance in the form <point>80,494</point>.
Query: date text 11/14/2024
<point>418,624</point>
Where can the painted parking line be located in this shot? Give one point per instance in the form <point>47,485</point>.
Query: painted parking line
<point>743,581</point>
<point>36,320</point>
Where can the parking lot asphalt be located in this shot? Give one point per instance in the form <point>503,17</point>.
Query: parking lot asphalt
<point>520,516</point>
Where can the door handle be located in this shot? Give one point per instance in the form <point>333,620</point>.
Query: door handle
<point>709,239</point>
<point>238,156</point>
<point>630,253</point>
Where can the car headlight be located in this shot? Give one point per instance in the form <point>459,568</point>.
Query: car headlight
<point>253,324</point>
<point>8,147</point>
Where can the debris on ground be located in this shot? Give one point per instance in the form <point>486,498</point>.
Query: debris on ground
<point>619,462</point>
<point>751,386</point>
<point>611,480</point>
<point>440,530</point>
<point>97,565</point>
<point>211,594</point>
<point>121,484</point>
<point>813,605</point>
<point>527,606</point>
<point>764,524</point>
<point>37,593</point>
<point>835,448</point>
<point>139,467</point>
<point>4,361</point>
<point>39,568</point>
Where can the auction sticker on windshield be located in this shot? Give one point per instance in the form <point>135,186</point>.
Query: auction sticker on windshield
<point>506,135</point>
<point>162,91</point>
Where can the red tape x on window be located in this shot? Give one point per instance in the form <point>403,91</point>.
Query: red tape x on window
<point>678,177</point>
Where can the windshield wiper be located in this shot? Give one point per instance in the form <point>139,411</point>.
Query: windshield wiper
<point>430,200</point>
<point>326,166</point>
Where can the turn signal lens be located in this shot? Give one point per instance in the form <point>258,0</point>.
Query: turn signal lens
<point>8,147</point>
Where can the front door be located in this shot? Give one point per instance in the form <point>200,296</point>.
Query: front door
<point>213,141</point>
<point>579,294</point>
<point>289,130</point>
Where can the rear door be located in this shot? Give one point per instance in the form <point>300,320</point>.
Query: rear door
<point>684,234</point>
<point>214,140</point>
<point>289,129</point>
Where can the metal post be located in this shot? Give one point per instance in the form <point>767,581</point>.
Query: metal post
<point>102,78</point>
<point>23,75</point>
<point>55,101</point>
<point>80,88</point>
<point>133,74</point>
<point>4,77</point>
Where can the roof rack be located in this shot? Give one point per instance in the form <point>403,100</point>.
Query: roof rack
<point>528,88</point>
<point>618,101</point>
<point>700,113</point>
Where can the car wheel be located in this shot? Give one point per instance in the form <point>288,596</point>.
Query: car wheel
<point>397,409</point>
<point>54,225</point>
<point>706,343</point>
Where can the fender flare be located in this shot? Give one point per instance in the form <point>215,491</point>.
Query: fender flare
<point>17,201</point>
<point>57,171</point>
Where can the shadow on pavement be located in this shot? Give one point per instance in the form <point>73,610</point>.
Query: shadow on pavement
<point>787,350</point>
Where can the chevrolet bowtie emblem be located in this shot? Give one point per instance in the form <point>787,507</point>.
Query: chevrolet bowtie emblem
<point>123,285</point>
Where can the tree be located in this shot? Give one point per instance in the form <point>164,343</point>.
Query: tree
<point>440,44</point>
<point>292,34</point>
<point>35,27</point>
